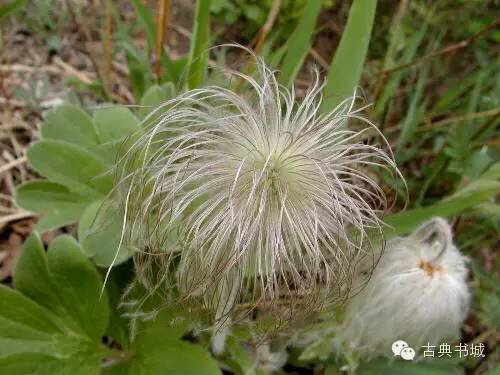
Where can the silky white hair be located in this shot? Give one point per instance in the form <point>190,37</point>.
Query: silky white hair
<point>418,293</point>
<point>252,198</point>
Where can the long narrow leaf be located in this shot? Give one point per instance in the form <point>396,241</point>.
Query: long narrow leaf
<point>409,220</point>
<point>299,42</point>
<point>147,22</point>
<point>347,64</point>
<point>395,78</point>
<point>198,55</point>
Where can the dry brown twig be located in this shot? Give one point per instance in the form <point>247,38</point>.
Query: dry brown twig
<point>71,71</point>
<point>107,53</point>
<point>11,164</point>
<point>161,28</point>
<point>321,61</point>
<point>268,25</point>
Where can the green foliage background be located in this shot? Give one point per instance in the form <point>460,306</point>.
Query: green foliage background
<point>436,100</point>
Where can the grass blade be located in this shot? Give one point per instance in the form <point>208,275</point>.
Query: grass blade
<point>299,42</point>
<point>395,78</point>
<point>147,22</point>
<point>416,109</point>
<point>409,220</point>
<point>198,55</point>
<point>347,64</point>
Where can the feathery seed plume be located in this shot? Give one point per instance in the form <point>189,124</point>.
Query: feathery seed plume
<point>252,198</point>
<point>417,293</point>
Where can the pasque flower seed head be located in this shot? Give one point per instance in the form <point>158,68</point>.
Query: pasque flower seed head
<point>417,293</point>
<point>255,193</point>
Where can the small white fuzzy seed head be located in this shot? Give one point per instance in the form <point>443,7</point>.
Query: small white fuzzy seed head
<point>269,199</point>
<point>418,293</point>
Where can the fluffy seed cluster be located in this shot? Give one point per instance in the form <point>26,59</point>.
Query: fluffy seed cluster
<point>418,293</point>
<point>252,198</point>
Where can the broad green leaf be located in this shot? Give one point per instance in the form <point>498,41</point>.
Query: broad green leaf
<point>155,96</point>
<point>347,64</point>
<point>118,327</point>
<point>198,55</point>
<point>71,166</point>
<point>409,220</point>
<point>399,367</point>
<point>71,124</point>
<point>120,368</point>
<point>20,318</point>
<point>157,353</point>
<point>58,205</point>
<point>239,360</point>
<point>100,231</point>
<point>114,123</point>
<point>32,276</point>
<point>299,42</point>
<point>158,349</point>
<point>65,282</point>
<point>56,325</point>
<point>78,286</point>
<point>332,370</point>
<point>33,341</point>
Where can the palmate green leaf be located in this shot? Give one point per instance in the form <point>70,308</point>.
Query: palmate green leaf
<point>155,352</point>
<point>72,166</point>
<point>198,54</point>
<point>33,341</point>
<point>64,281</point>
<point>400,367</point>
<point>114,123</point>
<point>58,205</point>
<point>53,323</point>
<point>118,328</point>
<point>299,42</point>
<point>155,96</point>
<point>71,124</point>
<point>99,231</point>
<point>347,64</point>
